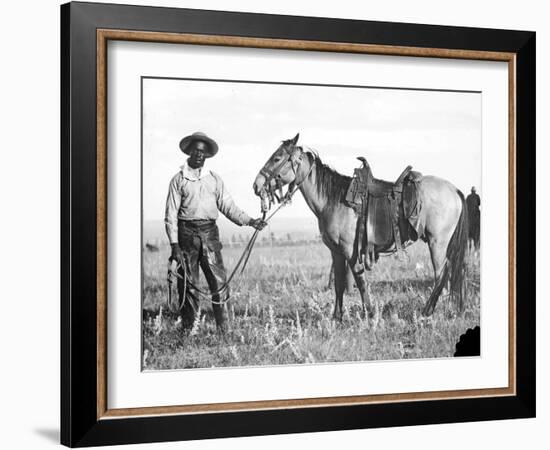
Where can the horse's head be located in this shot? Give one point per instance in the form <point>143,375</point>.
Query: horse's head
<point>280,169</point>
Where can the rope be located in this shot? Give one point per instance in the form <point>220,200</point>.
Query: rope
<point>243,260</point>
<point>241,263</point>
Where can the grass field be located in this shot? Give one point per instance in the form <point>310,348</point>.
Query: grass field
<point>281,313</point>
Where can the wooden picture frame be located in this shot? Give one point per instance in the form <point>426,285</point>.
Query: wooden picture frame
<point>85,416</point>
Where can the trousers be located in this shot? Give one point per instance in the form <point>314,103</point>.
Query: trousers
<point>201,246</point>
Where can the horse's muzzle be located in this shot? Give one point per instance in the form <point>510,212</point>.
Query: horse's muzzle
<point>259,184</point>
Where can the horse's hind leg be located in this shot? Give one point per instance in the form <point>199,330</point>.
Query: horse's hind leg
<point>438,253</point>
<point>339,263</point>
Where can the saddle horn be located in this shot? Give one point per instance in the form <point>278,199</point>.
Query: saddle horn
<point>363,160</point>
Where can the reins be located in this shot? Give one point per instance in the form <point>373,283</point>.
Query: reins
<point>267,199</point>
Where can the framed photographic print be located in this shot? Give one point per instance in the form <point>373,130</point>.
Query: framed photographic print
<point>277,224</point>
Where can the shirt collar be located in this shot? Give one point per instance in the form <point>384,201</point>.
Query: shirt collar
<point>193,174</point>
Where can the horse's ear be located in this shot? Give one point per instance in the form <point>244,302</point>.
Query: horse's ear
<point>295,140</point>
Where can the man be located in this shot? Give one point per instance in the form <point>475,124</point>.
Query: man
<point>195,196</point>
<point>473,202</point>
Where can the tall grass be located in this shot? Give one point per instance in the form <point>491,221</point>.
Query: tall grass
<point>281,313</point>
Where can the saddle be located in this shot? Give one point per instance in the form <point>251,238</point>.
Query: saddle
<point>387,213</point>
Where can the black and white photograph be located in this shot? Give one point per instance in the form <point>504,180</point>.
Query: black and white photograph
<point>287,223</point>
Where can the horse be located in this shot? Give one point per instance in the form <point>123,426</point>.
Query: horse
<point>443,212</point>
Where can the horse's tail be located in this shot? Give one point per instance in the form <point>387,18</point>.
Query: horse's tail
<point>456,254</point>
<point>454,268</point>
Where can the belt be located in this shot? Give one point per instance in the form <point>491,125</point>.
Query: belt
<point>198,224</point>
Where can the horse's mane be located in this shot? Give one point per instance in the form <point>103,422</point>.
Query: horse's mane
<point>330,183</point>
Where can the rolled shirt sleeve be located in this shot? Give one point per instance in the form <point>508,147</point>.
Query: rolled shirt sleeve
<point>173,201</point>
<point>227,205</point>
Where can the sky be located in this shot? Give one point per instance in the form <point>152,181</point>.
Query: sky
<point>438,133</point>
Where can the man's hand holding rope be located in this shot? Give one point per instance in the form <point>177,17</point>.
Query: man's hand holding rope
<point>177,253</point>
<point>259,224</point>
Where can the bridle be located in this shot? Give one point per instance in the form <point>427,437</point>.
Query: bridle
<point>274,194</point>
<point>179,270</point>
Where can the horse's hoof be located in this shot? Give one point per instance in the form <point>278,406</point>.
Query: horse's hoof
<point>427,312</point>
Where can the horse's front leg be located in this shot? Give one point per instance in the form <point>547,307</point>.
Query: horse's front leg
<point>339,262</point>
<point>361,282</point>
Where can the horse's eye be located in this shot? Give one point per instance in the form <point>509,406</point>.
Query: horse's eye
<point>277,159</point>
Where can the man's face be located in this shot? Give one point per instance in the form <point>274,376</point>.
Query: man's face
<point>197,154</point>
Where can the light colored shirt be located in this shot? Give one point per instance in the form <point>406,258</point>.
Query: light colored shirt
<point>198,194</point>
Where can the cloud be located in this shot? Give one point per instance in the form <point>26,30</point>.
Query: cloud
<point>437,132</point>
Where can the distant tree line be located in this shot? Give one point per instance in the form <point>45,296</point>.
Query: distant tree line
<point>271,239</point>
<point>239,240</point>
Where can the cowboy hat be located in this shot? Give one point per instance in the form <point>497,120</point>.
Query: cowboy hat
<point>185,143</point>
